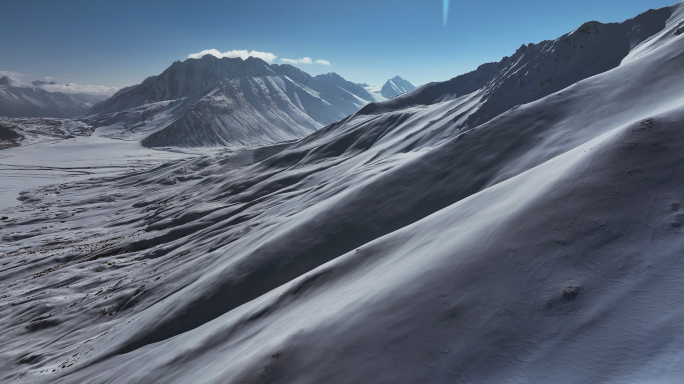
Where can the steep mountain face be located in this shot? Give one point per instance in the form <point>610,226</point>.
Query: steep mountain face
<point>24,101</point>
<point>226,102</point>
<point>396,245</point>
<point>395,87</point>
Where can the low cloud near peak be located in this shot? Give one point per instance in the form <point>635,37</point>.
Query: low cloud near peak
<point>305,60</point>
<point>243,54</point>
<point>265,56</point>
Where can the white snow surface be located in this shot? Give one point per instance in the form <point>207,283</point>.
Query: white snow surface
<point>375,91</point>
<point>452,234</point>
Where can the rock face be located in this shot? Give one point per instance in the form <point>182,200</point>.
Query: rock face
<point>395,87</point>
<point>227,102</point>
<point>18,100</point>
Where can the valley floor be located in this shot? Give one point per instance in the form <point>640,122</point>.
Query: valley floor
<point>60,161</point>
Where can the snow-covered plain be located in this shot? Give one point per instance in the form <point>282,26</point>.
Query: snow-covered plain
<point>61,161</point>
<point>511,232</point>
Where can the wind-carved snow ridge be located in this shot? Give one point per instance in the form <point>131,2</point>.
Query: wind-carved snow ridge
<point>404,243</point>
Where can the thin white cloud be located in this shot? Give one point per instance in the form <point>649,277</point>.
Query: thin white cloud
<point>200,55</point>
<point>64,88</point>
<point>305,60</point>
<point>80,88</point>
<point>242,54</point>
<point>12,75</point>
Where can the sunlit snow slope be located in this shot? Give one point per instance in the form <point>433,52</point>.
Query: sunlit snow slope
<point>450,235</point>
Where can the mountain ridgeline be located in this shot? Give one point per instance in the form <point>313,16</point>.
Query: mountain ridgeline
<point>19,100</point>
<point>236,103</point>
<point>227,102</point>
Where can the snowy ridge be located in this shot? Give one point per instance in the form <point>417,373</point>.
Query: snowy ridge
<point>401,244</point>
<point>537,70</point>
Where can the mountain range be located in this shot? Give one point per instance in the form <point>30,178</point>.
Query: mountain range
<point>17,100</point>
<point>202,102</point>
<point>520,223</point>
<point>227,102</point>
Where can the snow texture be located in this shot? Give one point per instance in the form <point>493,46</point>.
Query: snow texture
<point>495,228</point>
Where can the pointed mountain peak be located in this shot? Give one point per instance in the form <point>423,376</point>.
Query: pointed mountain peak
<point>5,80</point>
<point>396,86</point>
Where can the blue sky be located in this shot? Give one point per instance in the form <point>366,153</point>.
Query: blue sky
<point>118,43</point>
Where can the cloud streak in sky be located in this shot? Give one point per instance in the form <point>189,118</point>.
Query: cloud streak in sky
<point>12,75</point>
<point>63,88</point>
<point>265,56</point>
<point>242,54</point>
<point>305,60</point>
<point>80,88</point>
<point>445,14</point>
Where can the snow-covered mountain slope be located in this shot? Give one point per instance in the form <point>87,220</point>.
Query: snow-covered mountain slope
<point>226,102</point>
<point>353,88</point>
<point>537,70</point>
<point>375,92</point>
<point>27,131</point>
<point>392,88</point>
<point>18,100</point>
<point>395,87</point>
<point>543,245</point>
